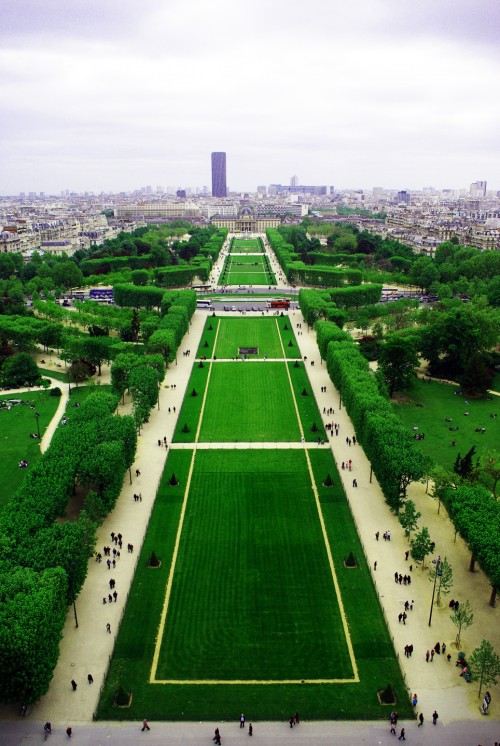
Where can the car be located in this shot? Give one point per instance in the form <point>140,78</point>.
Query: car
<point>233,308</point>
<point>227,308</point>
<point>254,308</point>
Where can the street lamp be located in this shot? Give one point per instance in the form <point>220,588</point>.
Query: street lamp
<point>37,415</point>
<point>72,588</point>
<point>438,573</point>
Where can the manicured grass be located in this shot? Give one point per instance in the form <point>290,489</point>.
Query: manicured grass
<point>243,245</point>
<point>249,402</point>
<point>191,406</point>
<point>265,607</point>
<point>495,384</point>
<point>57,374</point>
<point>249,331</point>
<point>16,445</point>
<point>252,596</point>
<point>247,270</point>
<point>440,401</point>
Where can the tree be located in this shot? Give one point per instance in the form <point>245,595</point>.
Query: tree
<point>398,360</point>
<point>463,466</point>
<point>462,618</point>
<point>444,573</point>
<point>421,546</point>
<point>441,480</point>
<point>80,370</point>
<point>424,272</point>
<point>489,469</point>
<point>20,370</point>
<point>478,375</point>
<point>408,517</point>
<point>484,665</point>
<point>67,274</point>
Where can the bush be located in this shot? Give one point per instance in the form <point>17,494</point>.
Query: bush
<point>153,560</point>
<point>56,391</point>
<point>173,481</point>
<point>186,429</point>
<point>351,561</point>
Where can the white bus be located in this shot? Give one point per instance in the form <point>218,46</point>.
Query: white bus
<point>204,303</point>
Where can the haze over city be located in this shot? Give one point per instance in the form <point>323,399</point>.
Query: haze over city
<point>111,96</point>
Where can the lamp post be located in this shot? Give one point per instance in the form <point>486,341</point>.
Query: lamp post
<point>37,415</point>
<point>72,588</point>
<point>439,573</point>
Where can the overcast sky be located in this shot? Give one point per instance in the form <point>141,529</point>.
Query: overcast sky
<point>107,95</point>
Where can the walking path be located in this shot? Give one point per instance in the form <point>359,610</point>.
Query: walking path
<point>87,649</point>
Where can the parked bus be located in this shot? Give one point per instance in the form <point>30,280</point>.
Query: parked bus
<point>204,303</point>
<point>279,303</point>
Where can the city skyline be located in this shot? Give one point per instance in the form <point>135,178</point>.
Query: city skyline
<point>105,97</point>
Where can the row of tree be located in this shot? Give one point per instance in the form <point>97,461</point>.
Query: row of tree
<point>44,558</point>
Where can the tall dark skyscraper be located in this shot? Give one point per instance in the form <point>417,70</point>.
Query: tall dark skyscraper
<point>219,188</point>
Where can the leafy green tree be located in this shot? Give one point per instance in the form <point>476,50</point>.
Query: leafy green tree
<point>424,272</point>
<point>140,277</point>
<point>478,376</point>
<point>444,574</point>
<point>398,360</point>
<point>67,275</point>
<point>484,665</point>
<point>421,546</point>
<point>441,479</point>
<point>462,618</point>
<point>408,517</point>
<point>20,370</point>
<point>163,341</point>
<point>464,466</point>
<point>489,469</point>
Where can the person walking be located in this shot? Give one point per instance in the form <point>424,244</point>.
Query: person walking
<point>414,700</point>
<point>402,735</point>
<point>108,628</point>
<point>145,725</point>
<point>242,721</point>
<point>434,717</point>
<point>216,738</point>
<point>90,678</point>
<point>250,729</point>
<point>69,731</point>
<point>420,720</point>
<point>73,684</point>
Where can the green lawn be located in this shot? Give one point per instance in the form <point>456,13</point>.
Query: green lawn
<point>249,331</point>
<point>247,245</point>
<point>252,598</point>
<point>249,402</point>
<point>440,401</point>
<point>16,445</point>
<point>247,270</point>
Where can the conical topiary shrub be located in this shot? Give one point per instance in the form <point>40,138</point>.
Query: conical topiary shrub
<point>173,481</point>
<point>304,393</point>
<point>351,561</point>
<point>290,344</point>
<point>285,328</point>
<point>186,429</point>
<point>205,344</point>
<point>122,698</point>
<point>210,328</point>
<point>296,364</point>
<point>153,560</point>
<point>200,364</point>
<point>328,481</point>
<point>194,392</point>
<point>387,696</point>
<point>314,428</point>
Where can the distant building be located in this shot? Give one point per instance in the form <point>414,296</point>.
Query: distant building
<point>246,222</point>
<point>404,197</point>
<point>294,181</point>
<point>478,189</point>
<point>280,189</point>
<point>219,187</point>
<point>181,193</point>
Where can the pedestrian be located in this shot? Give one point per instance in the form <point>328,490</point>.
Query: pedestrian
<point>406,554</point>
<point>434,717</point>
<point>110,598</point>
<point>69,731</point>
<point>137,472</point>
<point>405,616</point>
<point>375,565</point>
<point>443,648</point>
<point>145,725</point>
<point>242,721</point>
<point>402,735</point>
<point>73,684</point>
<point>159,442</point>
<point>108,628</point>
<point>395,577</point>
<point>427,656</point>
<point>414,700</point>
<point>420,720</point>
<point>250,729</point>
<point>377,535</point>
<point>432,655</point>
<point>410,651</point>
<point>216,738</point>
<point>291,722</point>
<point>400,616</point>
<point>90,678</point>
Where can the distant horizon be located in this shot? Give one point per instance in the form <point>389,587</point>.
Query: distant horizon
<point>35,193</point>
